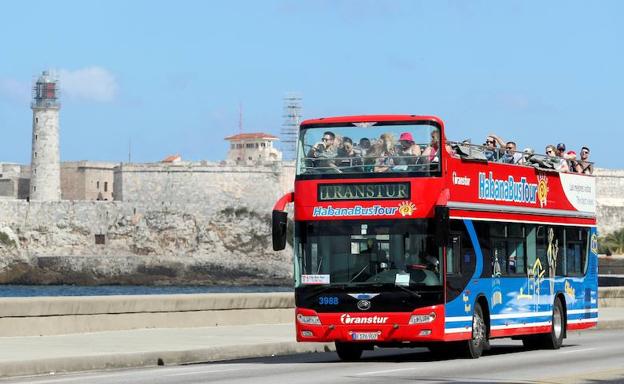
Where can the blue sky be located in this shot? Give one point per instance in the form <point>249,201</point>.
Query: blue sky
<point>169,76</point>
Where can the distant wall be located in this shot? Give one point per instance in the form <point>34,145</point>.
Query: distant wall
<point>181,183</point>
<point>610,199</point>
<point>87,180</point>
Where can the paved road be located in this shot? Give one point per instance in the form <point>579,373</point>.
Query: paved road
<point>588,357</point>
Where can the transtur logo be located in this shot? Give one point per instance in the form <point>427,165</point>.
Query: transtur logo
<point>461,180</point>
<point>346,319</point>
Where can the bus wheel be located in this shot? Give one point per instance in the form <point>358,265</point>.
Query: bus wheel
<point>473,348</point>
<point>349,351</point>
<point>554,339</point>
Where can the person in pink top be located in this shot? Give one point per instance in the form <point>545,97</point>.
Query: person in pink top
<point>431,153</point>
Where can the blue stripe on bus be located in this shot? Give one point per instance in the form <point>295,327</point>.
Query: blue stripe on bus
<point>476,247</point>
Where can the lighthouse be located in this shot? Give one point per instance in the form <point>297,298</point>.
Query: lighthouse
<point>45,181</point>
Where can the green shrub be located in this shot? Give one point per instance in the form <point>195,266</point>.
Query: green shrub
<point>612,243</point>
<point>6,240</point>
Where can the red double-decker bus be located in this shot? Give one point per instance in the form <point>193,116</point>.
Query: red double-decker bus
<point>402,238</point>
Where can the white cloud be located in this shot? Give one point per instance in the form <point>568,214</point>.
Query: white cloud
<point>14,90</point>
<point>90,84</point>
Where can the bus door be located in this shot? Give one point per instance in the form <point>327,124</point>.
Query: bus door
<point>460,267</point>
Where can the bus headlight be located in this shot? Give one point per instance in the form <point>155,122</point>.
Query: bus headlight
<point>422,319</point>
<point>308,320</point>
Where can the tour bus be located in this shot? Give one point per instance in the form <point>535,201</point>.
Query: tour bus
<point>400,240</point>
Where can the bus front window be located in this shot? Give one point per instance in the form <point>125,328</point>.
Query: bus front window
<point>372,148</point>
<point>368,253</point>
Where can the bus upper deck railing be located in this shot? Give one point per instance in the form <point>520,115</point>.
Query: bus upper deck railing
<point>525,158</point>
<point>428,164</point>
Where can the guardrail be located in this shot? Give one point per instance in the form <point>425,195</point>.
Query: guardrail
<point>34,316</point>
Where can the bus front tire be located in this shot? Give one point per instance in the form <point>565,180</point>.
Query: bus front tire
<point>349,351</point>
<point>473,348</point>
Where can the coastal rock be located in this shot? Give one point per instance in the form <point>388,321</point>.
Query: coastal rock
<point>62,244</point>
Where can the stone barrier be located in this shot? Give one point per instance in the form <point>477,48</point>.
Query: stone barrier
<point>36,316</point>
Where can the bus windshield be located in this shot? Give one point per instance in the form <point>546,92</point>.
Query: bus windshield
<point>400,252</point>
<point>371,148</point>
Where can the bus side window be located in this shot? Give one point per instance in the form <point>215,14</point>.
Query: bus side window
<point>453,253</point>
<point>575,251</point>
<point>516,255</point>
<point>540,249</point>
<point>531,245</point>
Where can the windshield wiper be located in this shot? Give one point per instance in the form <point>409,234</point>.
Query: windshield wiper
<point>358,274</point>
<point>415,294</point>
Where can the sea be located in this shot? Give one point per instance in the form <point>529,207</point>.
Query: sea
<point>9,290</point>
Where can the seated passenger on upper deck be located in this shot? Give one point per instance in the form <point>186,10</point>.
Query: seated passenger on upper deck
<point>492,153</point>
<point>364,145</point>
<point>431,154</point>
<point>325,152</point>
<point>559,163</point>
<point>384,152</point>
<point>407,151</point>
<point>348,157</point>
<point>584,166</point>
<point>511,156</point>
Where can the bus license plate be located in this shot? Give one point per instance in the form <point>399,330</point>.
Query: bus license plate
<point>365,335</point>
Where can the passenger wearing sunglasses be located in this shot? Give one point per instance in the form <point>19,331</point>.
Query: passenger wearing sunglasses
<point>492,144</point>
<point>511,156</point>
<point>326,152</point>
<point>559,163</point>
<point>491,152</point>
<point>583,165</point>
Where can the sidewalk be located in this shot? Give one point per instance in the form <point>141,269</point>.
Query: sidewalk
<point>150,347</point>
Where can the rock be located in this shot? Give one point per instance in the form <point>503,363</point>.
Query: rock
<point>143,245</point>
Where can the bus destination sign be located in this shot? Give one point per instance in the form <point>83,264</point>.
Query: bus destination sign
<point>364,191</point>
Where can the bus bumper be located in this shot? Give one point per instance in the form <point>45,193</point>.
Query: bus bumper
<point>421,325</point>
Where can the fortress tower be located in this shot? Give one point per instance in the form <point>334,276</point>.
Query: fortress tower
<point>45,182</point>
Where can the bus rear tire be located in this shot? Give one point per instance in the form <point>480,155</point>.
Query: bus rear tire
<point>349,351</point>
<point>554,339</point>
<point>473,348</point>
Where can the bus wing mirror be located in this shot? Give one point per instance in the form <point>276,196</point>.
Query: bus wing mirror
<point>280,219</point>
<point>442,225</point>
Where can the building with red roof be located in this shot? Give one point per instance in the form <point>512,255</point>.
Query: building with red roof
<point>253,147</point>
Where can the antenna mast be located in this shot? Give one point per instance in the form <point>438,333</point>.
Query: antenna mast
<point>241,152</point>
<point>290,127</point>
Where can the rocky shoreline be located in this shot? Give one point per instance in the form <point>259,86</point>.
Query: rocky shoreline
<point>231,246</point>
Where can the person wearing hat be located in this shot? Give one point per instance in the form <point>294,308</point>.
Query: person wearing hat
<point>557,161</point>
<point>407,151</point>
<point>561,150</point>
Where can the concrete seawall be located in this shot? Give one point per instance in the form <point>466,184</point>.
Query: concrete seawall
<point>66,315</point>
<point>63,315</point>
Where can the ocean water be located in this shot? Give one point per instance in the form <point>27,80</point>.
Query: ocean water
<point>108,290</point>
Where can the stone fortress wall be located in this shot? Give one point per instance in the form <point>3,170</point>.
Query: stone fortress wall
<point>196,223</point>
<point>216,184</point>
<point>182,223</point>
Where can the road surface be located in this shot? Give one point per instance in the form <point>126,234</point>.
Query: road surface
<point>587,357</point>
